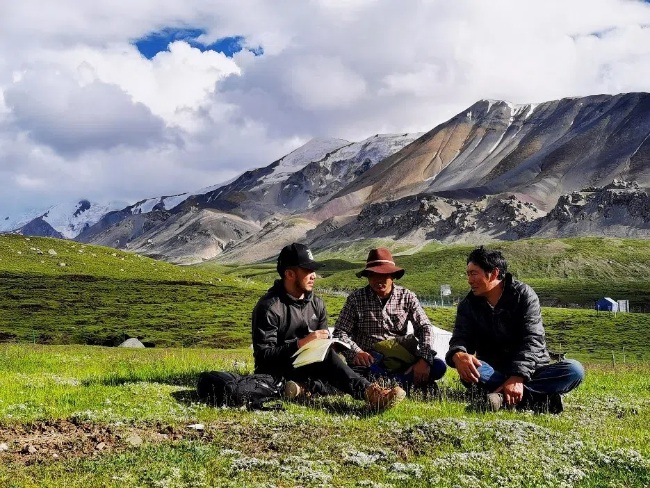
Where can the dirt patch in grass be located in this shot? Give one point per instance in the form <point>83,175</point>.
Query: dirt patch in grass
<point>50,441</point>
<point>64,439</point>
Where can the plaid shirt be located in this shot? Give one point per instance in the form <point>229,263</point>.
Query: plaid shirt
<point>364,321</point>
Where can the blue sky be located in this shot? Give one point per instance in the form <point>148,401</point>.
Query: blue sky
<point>156,42</point>
<point>109,100</point>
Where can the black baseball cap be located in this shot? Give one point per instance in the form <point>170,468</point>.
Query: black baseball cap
<point>296,255</point>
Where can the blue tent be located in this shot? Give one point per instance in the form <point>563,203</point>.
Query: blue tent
<point>606,304</point>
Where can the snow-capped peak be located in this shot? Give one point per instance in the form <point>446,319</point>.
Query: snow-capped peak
<point>71,218</point>
<point>68,218</point>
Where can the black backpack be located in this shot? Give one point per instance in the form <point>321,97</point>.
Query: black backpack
<point>221,388</point>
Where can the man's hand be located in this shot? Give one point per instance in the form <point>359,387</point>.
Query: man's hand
<point>362,358</point>
<point>466,365</point>
<point>421,371</point>
<point>317,334</point>
<point>512,389</point>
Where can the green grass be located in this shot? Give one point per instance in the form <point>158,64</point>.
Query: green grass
<point>66,400</point>
<point>562,271</point>
<point>77,416</point>
<point>103,296</point>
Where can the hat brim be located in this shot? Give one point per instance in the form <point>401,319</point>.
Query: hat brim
<point>388,269</point>
<point>311,265</point>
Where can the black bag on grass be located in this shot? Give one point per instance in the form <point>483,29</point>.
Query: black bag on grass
<point>222,388</point>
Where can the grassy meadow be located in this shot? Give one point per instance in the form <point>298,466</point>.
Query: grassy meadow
<point>62,292</point>
<point>75,413</point>
<point>78,416</point>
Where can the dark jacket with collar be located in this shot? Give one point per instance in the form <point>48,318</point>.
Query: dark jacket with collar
<point>509,337</point>
<point>279,320</point>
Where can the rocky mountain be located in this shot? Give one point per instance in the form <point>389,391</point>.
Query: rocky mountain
<point>501,171</point>
<point>540,150</point>
<point>576,166</point>
<point>207,223</point>
<point>619,209</point>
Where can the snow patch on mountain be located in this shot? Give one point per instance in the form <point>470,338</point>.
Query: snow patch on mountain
<point>71,218</point>
<point>361,156</point>
<point>315,150</point>
<point>159,203</point>
<point>374,148</point>
<point>68,218</point>
<point>210,188</point>
<point>12,222</point>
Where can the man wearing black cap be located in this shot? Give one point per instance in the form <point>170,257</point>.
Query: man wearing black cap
<point>374,322</point>
<point>289,316</point>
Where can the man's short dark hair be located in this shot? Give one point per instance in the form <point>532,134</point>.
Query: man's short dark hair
<point>488,259</point>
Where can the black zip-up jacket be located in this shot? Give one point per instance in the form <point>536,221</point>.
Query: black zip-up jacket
<point>279,320</point>
<point>510,337</point>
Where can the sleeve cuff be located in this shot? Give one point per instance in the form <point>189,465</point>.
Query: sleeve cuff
<point>428,356</point>
<point>518,372</point>
<point>450,355</point>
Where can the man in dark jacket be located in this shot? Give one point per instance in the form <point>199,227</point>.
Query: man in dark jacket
<point>290,316</point>
<point>499,343</point>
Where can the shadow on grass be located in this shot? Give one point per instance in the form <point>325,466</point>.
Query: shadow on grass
<point>447,393</point>
<point>176,379</point>
<point>189,397</point>
<point>333,404</point>
<point>341,405</point>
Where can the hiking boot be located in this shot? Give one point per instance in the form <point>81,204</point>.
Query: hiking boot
<point>555,405</point>
<point>294,390</point>
<point>494,402</point>
<point>382,398</point>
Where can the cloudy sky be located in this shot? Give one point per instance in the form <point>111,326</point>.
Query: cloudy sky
<point>121,100</point>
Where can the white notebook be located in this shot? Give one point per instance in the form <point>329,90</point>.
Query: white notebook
<point>314,351</point>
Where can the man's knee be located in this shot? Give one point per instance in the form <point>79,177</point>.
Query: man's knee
<point>575,370</point>
<point>438,369</point>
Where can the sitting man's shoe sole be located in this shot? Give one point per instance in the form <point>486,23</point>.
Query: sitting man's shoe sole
<point>379,398</point>
<point>294,390</point>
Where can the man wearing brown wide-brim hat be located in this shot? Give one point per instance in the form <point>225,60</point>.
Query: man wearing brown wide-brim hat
<point>380,261</point>
<point>374,323</point>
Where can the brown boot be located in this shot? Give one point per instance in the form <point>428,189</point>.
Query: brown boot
<point>494,401</point>
<point>379,398</point>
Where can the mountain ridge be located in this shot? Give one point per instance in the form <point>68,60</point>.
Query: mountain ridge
<point>495,162</point>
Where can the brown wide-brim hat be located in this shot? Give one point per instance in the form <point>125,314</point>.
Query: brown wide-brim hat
<point>380,261</point>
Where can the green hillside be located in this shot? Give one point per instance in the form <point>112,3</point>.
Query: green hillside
<point>62,292</point>
<point>562,271</point>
